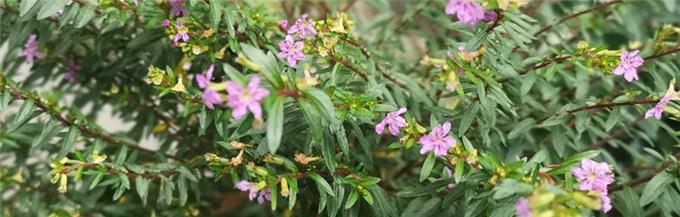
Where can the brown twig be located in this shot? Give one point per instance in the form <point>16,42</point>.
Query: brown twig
<point>83,128</point>
<point>348,5</point>
<point>349,65</point>
<point>600,106</point>
<point>646,178</point>
<point>572,16</point>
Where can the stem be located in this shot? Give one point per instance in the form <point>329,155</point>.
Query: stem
<point>572,16</point>
<point>83,128</point>
<point>646,178</point>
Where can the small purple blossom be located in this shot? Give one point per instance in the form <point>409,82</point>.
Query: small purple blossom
<point>181,35</point>
<point>249,187</point>
<point>253,192</point>
<point>658,109</point>
<point>630,61</point>
<point>283,25</point>
<point>211,98</point>
<point>522,207</point>
<point>177,7</point>
<point>450,175</point>
<point>31,50</point>
<point>606,201</point>
<point>243,99</point>
<point>72,70</point>
<point>303,26</point>
<point>291,50</point>
<point>393,121</point>
<point>592,175</point>
<point>438,140</point>
<point>265,194</point>
<point>468,12</point>
<point>166,23</point>
<point>203,80</point>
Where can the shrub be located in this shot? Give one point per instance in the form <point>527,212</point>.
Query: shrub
<point>350,108</point>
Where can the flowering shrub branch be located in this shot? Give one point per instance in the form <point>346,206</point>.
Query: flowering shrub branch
<point>348,108</point>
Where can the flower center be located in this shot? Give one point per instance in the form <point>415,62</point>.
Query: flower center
<point>246,96</point>
<point>592,176</point>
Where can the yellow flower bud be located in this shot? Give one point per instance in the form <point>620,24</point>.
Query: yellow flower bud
<point>284,187</point>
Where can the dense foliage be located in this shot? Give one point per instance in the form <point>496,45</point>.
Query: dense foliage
<point>340,108</point>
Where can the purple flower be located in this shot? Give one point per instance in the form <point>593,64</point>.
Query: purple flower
<point>303,26</point>
<point>265,194</point>
<point>291,50</point>
<point>522,207</point>
<point>468,12</point>
<point>166,23</point>
<point>450,175</point>
<point>283,24</point>
<point>658,109</point>
<point>203,80</point>
<point>630,61</point>
<point>249,187</point>
<point>72,70</point>
<point>243,99</point>
<point>177,7</point>
<point>606,201</point>
<point>181,34</point>
<point>592,175</point>
<point>211,98</point>
<point>393,121</point>
<point>438,140</point>
<point>31,49</point>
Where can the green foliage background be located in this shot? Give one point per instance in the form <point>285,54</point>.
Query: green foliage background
<point>531,106</point>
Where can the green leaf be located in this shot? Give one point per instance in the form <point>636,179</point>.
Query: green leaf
<point>68,142</point>
<point>4,100</point>
<point>96,180</point>
<point>469,116</point>
<point>521,128</point>
<point>509,187</point>
<point>85,14</point>
<point>275,124</point>
<point>366,195</point>
<point>51,8</point>
<point>570,162</point>
<point>48,132</point>
<point>427,167</point>
<point>612,119</point>
<point>352,198</point>
<point>321,183</point>
<point>293,190</point>
<point>215,13</point>
<point>24,114</point>
<point>322,102</point>
<point>655,187</point>
<point>26,6</point>
<point>183,192</point>
<point>142,185</point>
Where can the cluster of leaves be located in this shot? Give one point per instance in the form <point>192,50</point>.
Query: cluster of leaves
<point>530,94</point>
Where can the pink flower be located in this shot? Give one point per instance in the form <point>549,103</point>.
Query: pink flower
<point>211,98</point>
<point>31,50</point>
<point>450,175</point>
<point>72,70</point>
<point>522,207</point>
<point>438,140</point>
<point>283,25</point>
<point>249,187</point>
<point>291,50</point>
<point>593,176</point>
<point>468,12</point>
<point>177,7</point>
<point>204,80</point>
<point>630,61</point>
<point>166,23</point>
<point>265,194</point>
<point>606,201</point>
<point>658,109</point>
<point>181,34</point>
<point>303,27</point>
<point>243,99</point>
<point>393,121</point>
